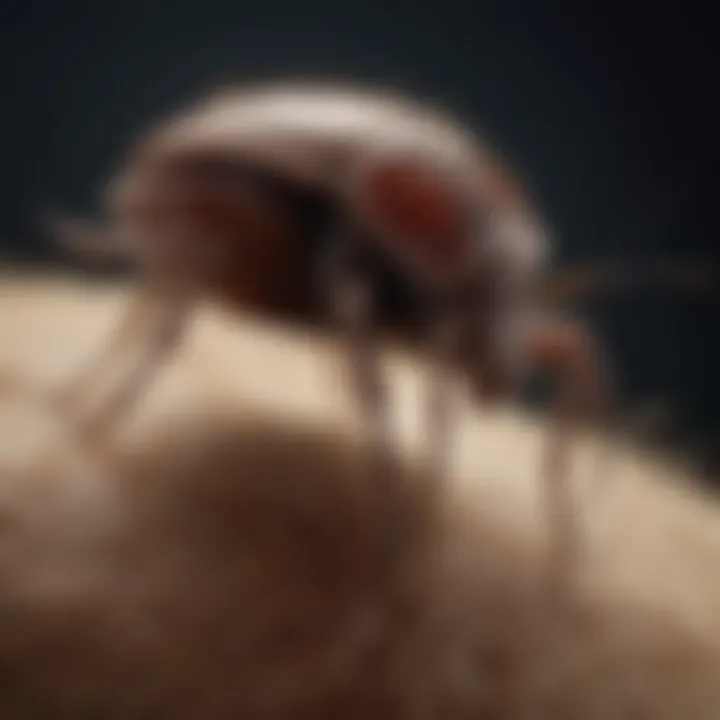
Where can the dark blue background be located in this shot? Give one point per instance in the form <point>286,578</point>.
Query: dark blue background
<point>606,108</point>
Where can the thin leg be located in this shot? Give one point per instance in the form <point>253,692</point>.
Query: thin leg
<point>444,346</point>
<point>162,333</point>
<point>149,332</point>
<point>85,239</point>
<point>84,383</point>
<point>353,311</point>
<point>352,303</point>
<point>570,352</point>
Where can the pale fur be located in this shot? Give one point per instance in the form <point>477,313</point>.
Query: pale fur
<point>209,564</point>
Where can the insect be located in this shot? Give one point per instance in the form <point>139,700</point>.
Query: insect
<point>311,201</point>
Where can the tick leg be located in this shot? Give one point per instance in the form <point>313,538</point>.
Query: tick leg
<point>85,239</point>
<point>352,304</point>
<point>354,313</point>
<point>86,381</point>
<point>569,351</point>
<point>444,346</point>
<point>147,335</point>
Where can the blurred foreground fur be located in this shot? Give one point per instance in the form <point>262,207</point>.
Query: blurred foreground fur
<point>213,564</point>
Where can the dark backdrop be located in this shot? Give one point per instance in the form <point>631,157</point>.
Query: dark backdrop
<point>606,109</point>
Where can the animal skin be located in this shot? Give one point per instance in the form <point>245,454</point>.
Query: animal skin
<point>211,561</point>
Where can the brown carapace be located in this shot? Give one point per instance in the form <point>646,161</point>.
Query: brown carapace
<point>350,206</point>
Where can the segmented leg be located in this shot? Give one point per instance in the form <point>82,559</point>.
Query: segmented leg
<point>353,310</point>
<point>570,353</point>
<point>85,239</point>
<point>148,333</point>
<point>444,346</point>
<point>504,341</point>
<point>85,382</point>
<point>352,304</point>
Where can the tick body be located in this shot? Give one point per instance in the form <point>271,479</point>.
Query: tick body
<point>304,200</point>
<point>408,181</point>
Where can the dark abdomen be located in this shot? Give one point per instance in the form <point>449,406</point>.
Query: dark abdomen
<point>281,232</point>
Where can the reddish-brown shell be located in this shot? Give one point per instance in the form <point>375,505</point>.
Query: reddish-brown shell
<point>419,209</point>
<point>424,212</point>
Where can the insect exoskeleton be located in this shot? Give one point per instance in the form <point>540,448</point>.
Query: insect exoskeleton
<point>247,194</point>
<point>420,211</point>
<point>202,222</point>
<point>411,181</point>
